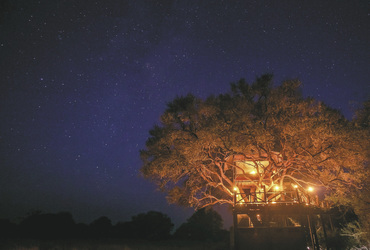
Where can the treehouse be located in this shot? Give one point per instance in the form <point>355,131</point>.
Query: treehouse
<point>256,181</point>
<point>271,210</point>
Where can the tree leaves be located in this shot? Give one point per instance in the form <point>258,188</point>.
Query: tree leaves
<point>305,142</point>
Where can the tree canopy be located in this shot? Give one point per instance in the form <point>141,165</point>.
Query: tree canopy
<point>188,154</point>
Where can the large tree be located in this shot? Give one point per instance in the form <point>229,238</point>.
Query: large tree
<point>305,142</point>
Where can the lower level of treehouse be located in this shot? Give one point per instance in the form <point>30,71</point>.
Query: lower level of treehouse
<point>279,226</point>
<point>270,238</point>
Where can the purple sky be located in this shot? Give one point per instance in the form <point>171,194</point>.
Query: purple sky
<point>82,82</point>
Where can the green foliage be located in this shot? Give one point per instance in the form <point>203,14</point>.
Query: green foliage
<point>188,154</point>
<point>354,234</point>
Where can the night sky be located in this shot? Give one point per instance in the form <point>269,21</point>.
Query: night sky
<point>82,83</point>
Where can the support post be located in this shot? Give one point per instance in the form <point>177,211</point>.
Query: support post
<point>309,227</point>
<point>324,229</point>
<point>235,230</point>
<point>313,235</point>
<point>298,198</point>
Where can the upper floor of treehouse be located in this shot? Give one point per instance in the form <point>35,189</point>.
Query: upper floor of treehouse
<point>254,169</point>
<point>257,181</point>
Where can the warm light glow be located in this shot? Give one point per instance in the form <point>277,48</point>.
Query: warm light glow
<point>253,172</point>
<point>239,199</point>
<point>259,218</point>
<point>295,186</point>
<point>276,188</point>
<point>310,189</point>
<point>235,189</point>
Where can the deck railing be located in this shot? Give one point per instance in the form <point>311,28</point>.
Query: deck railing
<point>272,197</point>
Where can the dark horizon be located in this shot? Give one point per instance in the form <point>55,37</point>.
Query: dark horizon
<point>83,83</point>
<point>150,226</point>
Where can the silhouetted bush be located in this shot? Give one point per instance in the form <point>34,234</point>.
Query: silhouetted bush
<point>7,229</point>
<point>47,226</point>
<point>101,227</point>
<point>149,226</point>
<point>205,224</point>
<point>81,231</point>
<point>123,230</point>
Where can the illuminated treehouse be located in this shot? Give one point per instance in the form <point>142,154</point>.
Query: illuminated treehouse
<point>271,205</point>
<point>262,149</point>
<point>257,181</point>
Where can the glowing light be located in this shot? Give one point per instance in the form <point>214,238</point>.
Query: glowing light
<point>310,189</point>
<point>235,189</point>
<point>276,188</point>
<point>253,172</point>
<point>239,199</point>
<point>259,218</point>
<point>295,186</point>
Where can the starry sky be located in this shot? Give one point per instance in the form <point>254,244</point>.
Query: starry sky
<point>82,82</point>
